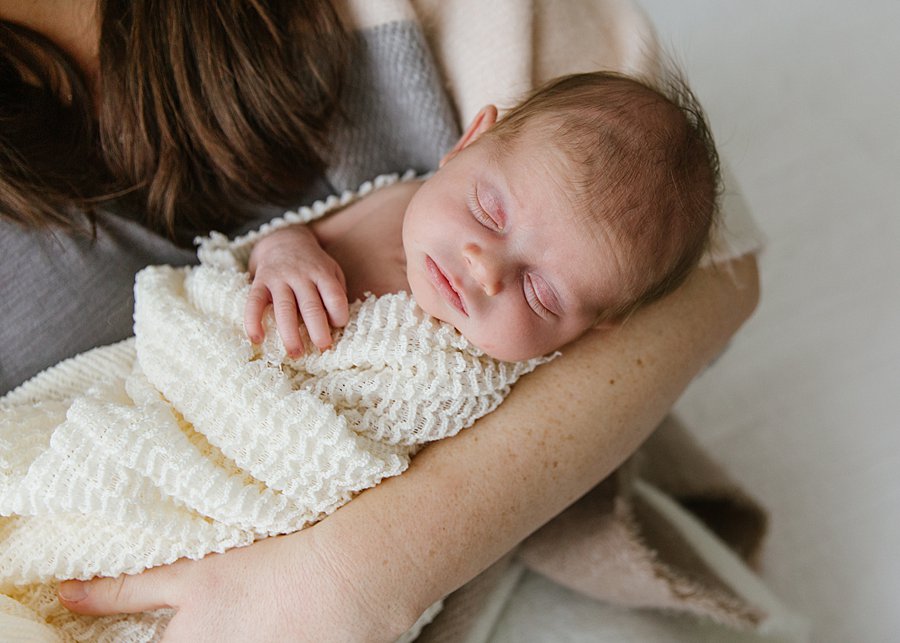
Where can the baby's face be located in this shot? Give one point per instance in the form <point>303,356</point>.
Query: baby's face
<point>494,248</point>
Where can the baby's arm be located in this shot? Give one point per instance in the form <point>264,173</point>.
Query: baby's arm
<point>291,271</point>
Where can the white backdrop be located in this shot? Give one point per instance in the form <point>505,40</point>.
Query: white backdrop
<point>804,408</point>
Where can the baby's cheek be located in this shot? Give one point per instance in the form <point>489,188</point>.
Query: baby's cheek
<point>417,292</point>
<point>425,299</point>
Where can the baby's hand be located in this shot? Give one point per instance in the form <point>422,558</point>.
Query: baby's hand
<point>291,271</point>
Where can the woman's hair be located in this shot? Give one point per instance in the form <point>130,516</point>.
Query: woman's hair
<point>642,163</point>
<point>203,109</point>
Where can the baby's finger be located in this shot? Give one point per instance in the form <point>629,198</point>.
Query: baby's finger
<point>257,301</point>
<point>314,316</point>
<point>334,296</point>
<point>285,307</point>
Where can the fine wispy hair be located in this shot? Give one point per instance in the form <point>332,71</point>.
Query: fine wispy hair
<point>642,164</point>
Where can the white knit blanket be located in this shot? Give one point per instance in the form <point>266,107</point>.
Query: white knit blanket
<point>188,440</point>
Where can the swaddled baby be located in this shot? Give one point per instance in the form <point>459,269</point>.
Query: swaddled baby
<point>593,197</point>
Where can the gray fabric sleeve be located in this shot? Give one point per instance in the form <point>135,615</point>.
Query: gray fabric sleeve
<point>63,294</point>
<point>396,114</point>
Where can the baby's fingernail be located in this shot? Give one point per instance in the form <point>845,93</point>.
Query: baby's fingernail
<point>73,591</point>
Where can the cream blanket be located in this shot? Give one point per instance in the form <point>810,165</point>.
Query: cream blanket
<point>188,440</point>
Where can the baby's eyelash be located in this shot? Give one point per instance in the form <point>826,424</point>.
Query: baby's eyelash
<point>479,213</point>
<point>533,300</point>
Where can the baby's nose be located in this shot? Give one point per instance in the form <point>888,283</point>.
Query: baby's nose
<point>485,269</point>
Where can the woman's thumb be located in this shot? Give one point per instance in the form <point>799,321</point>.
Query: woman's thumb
<point>124,594</point>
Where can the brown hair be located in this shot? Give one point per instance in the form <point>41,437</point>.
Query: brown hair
<point>204,108</point>
<point>643,163</point>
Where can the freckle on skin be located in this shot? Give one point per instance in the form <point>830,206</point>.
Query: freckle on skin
<point>612,381</point>
<point>640,362</point>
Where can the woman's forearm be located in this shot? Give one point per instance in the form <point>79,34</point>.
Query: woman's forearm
<point>466,501</point>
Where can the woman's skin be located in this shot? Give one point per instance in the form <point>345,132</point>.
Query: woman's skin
<point>369,569</point>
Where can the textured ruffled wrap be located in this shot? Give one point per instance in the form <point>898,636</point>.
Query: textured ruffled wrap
<point>187,439</point>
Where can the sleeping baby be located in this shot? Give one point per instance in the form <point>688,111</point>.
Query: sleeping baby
<point>592,198</point>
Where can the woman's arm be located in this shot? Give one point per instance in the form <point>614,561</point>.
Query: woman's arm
<point>466,501</point>
<point>368,570</point>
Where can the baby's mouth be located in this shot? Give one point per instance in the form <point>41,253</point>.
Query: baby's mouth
<point>442,284</point>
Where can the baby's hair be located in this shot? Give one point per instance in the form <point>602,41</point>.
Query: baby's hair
<point>642,163</point>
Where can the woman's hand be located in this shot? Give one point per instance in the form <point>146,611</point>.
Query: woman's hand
<point>279,589</point>
<point>291,271</point>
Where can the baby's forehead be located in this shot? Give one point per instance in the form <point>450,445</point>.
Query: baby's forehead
<point>593,258</point>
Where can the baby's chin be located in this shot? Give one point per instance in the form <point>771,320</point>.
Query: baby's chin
<point>509,353</point>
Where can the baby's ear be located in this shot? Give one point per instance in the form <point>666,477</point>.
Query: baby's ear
<point>483,121</point>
